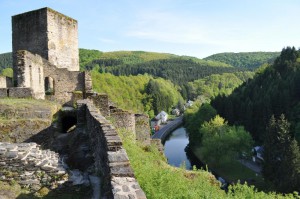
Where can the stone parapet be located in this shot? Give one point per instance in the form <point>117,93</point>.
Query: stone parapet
<point>111,159</point>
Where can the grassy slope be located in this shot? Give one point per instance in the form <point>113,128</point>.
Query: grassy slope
<point>162,181</point>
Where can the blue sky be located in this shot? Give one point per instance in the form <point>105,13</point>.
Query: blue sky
<point>184,27</point>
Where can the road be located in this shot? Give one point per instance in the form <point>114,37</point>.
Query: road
<point>168,128</point>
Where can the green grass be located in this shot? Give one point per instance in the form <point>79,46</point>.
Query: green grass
<point>160,180</point>
<point>11,107</point>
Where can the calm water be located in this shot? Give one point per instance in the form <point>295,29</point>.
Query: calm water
<point>175,148</point>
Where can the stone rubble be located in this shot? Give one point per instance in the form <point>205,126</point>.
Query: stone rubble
<point>30,166</point>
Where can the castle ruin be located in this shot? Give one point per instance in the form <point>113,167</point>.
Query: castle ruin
<point>46,58</point>
<point>46,66</point>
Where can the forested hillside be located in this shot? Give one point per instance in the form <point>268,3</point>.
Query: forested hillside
<point>5,60</point>
<point>250,60</point>
<point>213,85</point>
<point>140,93</point>
<point>178,69</point>
<point>274,91</point>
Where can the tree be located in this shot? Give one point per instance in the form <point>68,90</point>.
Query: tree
<point>223,143</point>
<point>281,156</point>
<point>8,72</point>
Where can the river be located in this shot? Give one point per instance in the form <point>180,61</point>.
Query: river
<point>177,152</point>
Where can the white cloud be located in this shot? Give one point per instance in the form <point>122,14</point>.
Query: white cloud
<point>106,40</point>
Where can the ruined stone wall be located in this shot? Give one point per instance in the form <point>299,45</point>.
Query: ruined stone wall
<point>49,34</point>
<point>30,73</point>
<point>30,166</point>
<point>5,82</point>
<point>110,158</point>
<point>142,128</point>
<point>18,92</point>
<point>101,102</point>
<point>65,83</point>
<point>29,32</point>
<point>62,41</point>
<point>123,119</point>
<point>3,92</point>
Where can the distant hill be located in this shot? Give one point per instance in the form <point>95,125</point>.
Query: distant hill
<point>88,58</point>
<point>5,60</point>
<point>178,69</point>
<point>250,60</point>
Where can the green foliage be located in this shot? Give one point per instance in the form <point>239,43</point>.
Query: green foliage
<point>159,180</point>
<point>213,85</point>
<point>282,156</point>
<point>163,95</point>
<point>250,60</point>
<point>273,91</point>
<point>194,117</point>
<point>127,92</point>
<point>133,92</point>
<point>5,60</point>
<point>87,56</point>
<point>8,72</point>
<point>178,70</point>
<point>222,143</point>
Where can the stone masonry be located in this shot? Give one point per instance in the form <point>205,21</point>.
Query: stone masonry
<point>30,166</point>
<point>46,58</point>
<point>49,34</point>
<point>111,160</point>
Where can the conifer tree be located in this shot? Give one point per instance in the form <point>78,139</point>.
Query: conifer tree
<point>281,156</point>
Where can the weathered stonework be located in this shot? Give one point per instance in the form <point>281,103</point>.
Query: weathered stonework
<point>5,82</point>
<point>49,34</point>
<point>30,166</point>
<point>3,92</point>
<point>100,100</point>
<point>111,160</point>
<point>46,66</point>
<point>123,119</point>
<point>46,58</point>
<point>18,92</point>
<point>142,128</point>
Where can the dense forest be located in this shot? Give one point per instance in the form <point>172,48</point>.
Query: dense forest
<point>268,107</point>
<point>178,69</point>
<point>249,60</point>
<point>274,91</point>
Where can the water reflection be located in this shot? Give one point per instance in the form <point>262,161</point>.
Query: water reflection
<point>175,146</point>
<point>178,152</point>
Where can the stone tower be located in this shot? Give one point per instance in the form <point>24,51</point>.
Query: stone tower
<point>49,34</point>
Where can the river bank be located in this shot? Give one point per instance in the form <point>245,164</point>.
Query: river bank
<point>179,154</point>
